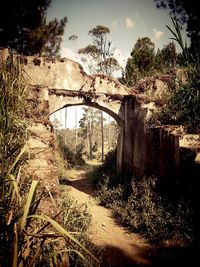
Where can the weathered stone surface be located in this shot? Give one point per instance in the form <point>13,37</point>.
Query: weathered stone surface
<point>141,151</point>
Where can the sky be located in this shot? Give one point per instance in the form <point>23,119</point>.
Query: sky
<point>127,20</point>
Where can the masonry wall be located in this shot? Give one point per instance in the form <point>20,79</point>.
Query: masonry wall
<point>41,164</point>
<point>145,151</point>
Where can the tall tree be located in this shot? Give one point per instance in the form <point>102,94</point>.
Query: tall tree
<point>186,12</point>
<point>166,57</point>
<point>25,30</point>
<point>141,61</point>
<point>100,55</point>
<point>86,125</point>
<point>100,58</point>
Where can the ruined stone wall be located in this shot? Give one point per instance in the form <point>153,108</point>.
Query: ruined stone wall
<point>41,164</point>
<point>141,151</point>
<point>166,152</point>
<point>145,151</point>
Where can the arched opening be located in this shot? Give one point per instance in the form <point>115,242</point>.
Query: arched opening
<point>85,133</point>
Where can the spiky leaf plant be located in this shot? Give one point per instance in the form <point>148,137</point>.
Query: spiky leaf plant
<point>183,105</point>
<point>26,238</point>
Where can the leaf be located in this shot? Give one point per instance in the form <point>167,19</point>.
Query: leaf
<point>17,159</point>
<point>15,247</point>
<point>63,232</point>
<point>29,202</point>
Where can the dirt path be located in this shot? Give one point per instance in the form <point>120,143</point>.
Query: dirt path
<point>121,248</point>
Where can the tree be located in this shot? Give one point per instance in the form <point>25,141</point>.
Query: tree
<point>166,57</point>
<point>86,125</point>
<point>141,61</point>
<point>99,57</point>
<point>186,12</point>
<point>25,30</point>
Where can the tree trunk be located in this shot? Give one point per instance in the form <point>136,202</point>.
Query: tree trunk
<point>75,129</point>
<point>65,125</point>
<point>102,138</point>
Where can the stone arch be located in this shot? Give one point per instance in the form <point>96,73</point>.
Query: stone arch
<point>141,151</point>
<point>59,100</point>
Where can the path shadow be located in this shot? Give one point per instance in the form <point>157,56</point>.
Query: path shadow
<point>83,185</point>
<point>156,257</point>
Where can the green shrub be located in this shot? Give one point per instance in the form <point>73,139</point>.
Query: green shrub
<point>77,220</point>
<point>12,140</point>
<point>154,216</point>
<point>27,238</point>
<point>143,210</point>
<point>110,196</point>
<point>183,104</point>
<point>72,158</point>
<point>106,173</point>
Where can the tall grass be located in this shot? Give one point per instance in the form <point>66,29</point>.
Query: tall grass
<point>27,238</point>
<point>12,141</point>
<point>140,206</point>
<point>12,108</point>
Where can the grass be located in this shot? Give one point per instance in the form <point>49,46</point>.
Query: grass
<point>77,219</point>
<point>139,206</point>
<point>27,237</point>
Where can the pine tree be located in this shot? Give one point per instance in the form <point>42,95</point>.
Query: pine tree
<point>25,30</point>
<point>141,62</point>
<point>99,57</point>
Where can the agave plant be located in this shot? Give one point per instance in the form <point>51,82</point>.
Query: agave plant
<point>184,102</point>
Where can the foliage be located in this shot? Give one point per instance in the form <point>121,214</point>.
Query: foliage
<point>187,14</point>
<point>139,206</point>
<point>106,171</point>
<point>77,219</point>
<point>141,62</point>
<point>99,54</point>
<point>31,239</point>
<point>184,103</point>
<point>142,209</point>
<point>73,157</point>
<point>146,211</point>
<point>25,30</point>
<point>87,126</point>
<point>91,134</point>
<point>99,57</point>
<point>145,61</point>
<point>166,57</point>
<point>12,123</point>
<point>27,237</point>
<point>178,38</point>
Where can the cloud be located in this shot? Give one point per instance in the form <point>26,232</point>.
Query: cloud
<point>68,53</point>
<point>157,34</point>
<point>130,23</point>
<point>114,24</point>
<point>121,57</point>
<point>137,15</point>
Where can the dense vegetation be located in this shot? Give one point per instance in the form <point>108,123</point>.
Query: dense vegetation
<point>136,204</point>
<point>183,104</point>
<point>85,142</point>
<point>25,29</point>
<point>140,206</point>
<point>186,12</point>
<point>27,238</point>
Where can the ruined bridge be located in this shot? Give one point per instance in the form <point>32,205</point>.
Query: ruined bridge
<point>64,83</point>
<point>54,84</point>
